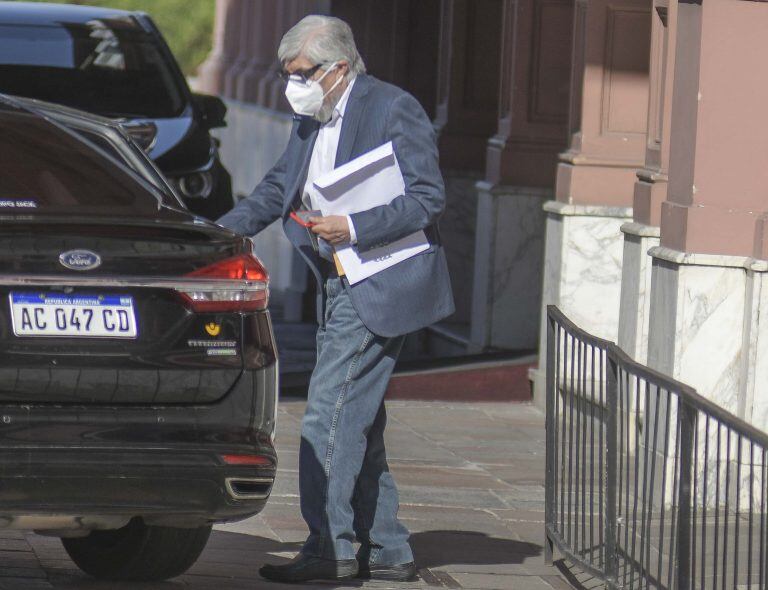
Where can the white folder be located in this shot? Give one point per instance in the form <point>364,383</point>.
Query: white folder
<point>368,181</point>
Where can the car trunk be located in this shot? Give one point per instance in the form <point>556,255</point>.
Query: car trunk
<point>121,332</point>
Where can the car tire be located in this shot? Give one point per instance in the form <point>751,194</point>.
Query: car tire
<point>138,552</point>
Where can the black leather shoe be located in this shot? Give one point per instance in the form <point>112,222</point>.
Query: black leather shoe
<point>402,572</point>
<point>303,568</point>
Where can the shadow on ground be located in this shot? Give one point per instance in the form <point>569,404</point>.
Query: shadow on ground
<point>435,549</point>
<point>232,556</point>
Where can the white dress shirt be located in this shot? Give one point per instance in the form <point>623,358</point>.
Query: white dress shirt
<point>324,153</point>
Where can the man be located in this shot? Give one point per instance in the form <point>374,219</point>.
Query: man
<point>347,492</point>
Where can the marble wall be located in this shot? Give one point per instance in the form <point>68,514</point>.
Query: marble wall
<point>757,389</point>
<point>709,331</point>
<point>701,328</point>
<point>584,278</point>
<point>457,227</point>
<point>508,255</point>
<point>582,272</point>
<point>635,301</point>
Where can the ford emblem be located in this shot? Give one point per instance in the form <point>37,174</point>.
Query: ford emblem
<point>80,259</point>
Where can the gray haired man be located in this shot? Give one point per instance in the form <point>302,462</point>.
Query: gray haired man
<point>347,492</point>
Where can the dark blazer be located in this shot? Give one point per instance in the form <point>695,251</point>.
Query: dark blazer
<point>407,296</point>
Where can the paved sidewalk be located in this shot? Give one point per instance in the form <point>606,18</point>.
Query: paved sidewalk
<point>471,481</point>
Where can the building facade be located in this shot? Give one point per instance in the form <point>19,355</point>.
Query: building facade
<point>608,157</point>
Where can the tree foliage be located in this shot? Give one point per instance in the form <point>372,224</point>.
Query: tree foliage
<point>187,25</point>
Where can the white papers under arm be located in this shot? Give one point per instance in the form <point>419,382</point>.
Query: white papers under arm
<point>358,266</point>
<point>369,181</point>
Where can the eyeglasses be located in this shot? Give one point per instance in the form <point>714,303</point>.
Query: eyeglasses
<point>305,76</point>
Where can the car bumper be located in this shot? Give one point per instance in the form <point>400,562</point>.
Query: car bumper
<point>98,489</point>
<point>78,467</point>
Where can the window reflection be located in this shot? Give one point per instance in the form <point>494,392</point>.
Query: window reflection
<point>107,66</point>
<point>107,53</point>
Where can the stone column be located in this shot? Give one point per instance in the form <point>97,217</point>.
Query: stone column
<point>271,88</point>
<point>465,117</point>
<point>642,233</point>
<point>709,299</point>
<point>398,40</point>
<point>261,44</point>
<point>443,75</point>
<point>226,44</point>
<point>520,172</point>
<point>609,103</point>
<point>244,32</point>
<point>596,175</point>
<point>468,114</point>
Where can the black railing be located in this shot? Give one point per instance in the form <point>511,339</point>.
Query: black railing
<point>648,484</point>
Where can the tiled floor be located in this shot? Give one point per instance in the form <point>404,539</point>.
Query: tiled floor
<point>471,482</point>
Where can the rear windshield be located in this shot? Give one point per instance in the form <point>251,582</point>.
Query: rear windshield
<point>45,170</point>
<point>110,67</point>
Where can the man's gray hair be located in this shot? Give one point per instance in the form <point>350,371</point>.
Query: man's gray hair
<point>322,40</point>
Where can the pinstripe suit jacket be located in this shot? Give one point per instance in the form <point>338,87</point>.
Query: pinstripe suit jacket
<point>412,294</point>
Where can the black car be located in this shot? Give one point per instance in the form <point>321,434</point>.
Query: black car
<point>109,136</point>
<point>116,64</point>
<point>137,360</point>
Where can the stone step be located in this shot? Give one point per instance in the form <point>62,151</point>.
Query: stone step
<point>489,376</point>
<point>478,378</point>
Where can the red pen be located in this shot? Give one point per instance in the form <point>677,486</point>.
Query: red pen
<point>302,217</point>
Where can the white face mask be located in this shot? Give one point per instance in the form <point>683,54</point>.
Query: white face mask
<point>306,98</point>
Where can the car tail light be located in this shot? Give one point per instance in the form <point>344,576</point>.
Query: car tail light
<point>235,284</point>
<point>258,460</point>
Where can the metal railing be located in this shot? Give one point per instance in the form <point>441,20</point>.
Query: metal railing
<point>648,484</point>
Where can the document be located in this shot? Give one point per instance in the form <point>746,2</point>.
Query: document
<point>368,181</point>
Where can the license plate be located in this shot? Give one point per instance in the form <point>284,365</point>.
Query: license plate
<point>86,316</point>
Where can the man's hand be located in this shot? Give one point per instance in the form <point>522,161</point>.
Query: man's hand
<point>333,229</point>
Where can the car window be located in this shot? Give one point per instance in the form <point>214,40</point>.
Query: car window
<point>48,170</point>
<point>106,66</point>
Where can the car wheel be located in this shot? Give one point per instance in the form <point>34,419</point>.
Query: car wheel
<point>137,551</point>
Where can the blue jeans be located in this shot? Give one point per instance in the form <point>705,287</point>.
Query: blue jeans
<point>347,492</point>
